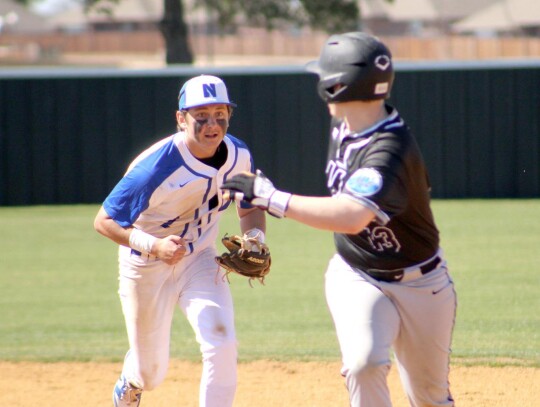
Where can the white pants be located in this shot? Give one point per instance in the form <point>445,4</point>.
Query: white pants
<point>149,292</point>
<point>415,318</point>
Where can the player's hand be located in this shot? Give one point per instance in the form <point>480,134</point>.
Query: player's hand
<point>170,249</point>
<point>258,190</point>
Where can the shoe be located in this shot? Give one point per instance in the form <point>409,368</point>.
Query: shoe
<point>126,395</point>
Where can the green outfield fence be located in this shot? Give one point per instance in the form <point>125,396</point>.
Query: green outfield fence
<point>67,134</point>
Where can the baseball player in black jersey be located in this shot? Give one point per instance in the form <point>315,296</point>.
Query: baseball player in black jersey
<point>388,286</point>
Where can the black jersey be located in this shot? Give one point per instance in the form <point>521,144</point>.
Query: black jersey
<point>383,169</point>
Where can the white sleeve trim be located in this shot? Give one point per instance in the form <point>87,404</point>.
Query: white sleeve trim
<point>381,217</point>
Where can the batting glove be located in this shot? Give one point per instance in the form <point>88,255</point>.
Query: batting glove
<point>258,190</point>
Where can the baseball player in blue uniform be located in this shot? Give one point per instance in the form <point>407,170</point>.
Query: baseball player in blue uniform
<point>387,286</point>
<point>164,215</point>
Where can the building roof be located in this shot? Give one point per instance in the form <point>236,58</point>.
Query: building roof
<point>504,15</point>
<point>470,15</point>
<point>123,11</point>
<point>408,10</point>
<point>411,10</point>
<point>372,8</point>
<point>458,9</point>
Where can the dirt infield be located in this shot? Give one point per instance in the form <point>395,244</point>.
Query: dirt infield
<point>261,384</point>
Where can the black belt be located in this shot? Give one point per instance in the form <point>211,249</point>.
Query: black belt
<point>397,275</point>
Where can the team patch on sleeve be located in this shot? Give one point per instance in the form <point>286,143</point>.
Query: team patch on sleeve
<point>364,182</point>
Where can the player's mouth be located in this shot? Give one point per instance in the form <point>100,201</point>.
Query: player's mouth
<point>211,135</point>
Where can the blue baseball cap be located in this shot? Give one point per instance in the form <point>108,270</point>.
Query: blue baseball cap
<point>203,90</point>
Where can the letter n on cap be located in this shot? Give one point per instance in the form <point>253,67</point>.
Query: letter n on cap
<point>209,90</point>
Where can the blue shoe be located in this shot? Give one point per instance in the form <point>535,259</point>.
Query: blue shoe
<point>126,395</point>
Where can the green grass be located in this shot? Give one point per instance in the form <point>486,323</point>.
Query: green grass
<point>58,283</point>
<point>494,253</point>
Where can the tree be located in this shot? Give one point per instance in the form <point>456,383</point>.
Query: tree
<point>330,16</point>
<point>175,33</point>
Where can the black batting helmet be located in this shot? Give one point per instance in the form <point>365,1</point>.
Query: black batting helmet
<point>357,61</point>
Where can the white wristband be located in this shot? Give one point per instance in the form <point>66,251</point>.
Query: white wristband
<point>256,233</point>
<point>278,203</point>
<point>141,241</point>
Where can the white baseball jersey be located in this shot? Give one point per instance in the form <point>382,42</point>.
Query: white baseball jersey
<point>167,191</point>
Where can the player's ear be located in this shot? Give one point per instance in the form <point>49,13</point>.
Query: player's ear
<point>181,123</point>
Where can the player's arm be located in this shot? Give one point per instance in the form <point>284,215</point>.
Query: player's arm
<point>169,249</point>
<point>106,226</point>
<point>252,218</point>
<point>336,214</point>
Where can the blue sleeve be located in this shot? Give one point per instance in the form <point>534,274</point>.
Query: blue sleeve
<point>131,196</point>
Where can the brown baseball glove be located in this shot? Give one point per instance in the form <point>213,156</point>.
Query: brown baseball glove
<point>247,256</point>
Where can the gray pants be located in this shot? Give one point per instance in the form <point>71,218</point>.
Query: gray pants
<point>415,318</point>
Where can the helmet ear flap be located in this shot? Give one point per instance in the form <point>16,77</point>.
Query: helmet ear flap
<point>333,91</point>
<point>330,85</point>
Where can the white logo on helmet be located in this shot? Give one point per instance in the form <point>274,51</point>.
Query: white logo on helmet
<point>382,62</point>
<point>381,88</point>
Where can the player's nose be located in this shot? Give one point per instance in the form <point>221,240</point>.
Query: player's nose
<point>212,121</point>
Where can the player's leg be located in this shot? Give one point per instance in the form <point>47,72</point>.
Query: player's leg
<point>207,303</point>
<point>148,296</point>
<point>427,308</point>
<point>366,324</point>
